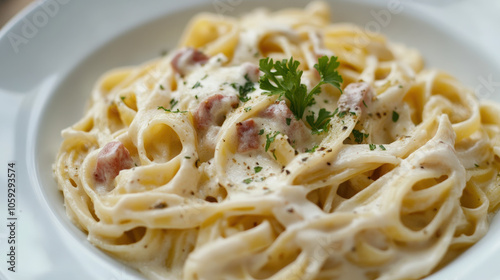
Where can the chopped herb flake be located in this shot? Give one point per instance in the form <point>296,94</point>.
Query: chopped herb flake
<point>170,111</point>
<point>270,139</point>
<point>173,102</point>
<point>312,150</point>
<point>248,109</point>
<point>162,87</point>
<point>395,116</point>
<point>245,89</point>
<point>372,147</point>
<point>382,147</point>
<point>288,121</point>
<point>122,97</point>
<point>358,136</point>
<point>261,132</point>
<point>247,180</point>
<point>198,84</point>
<point>257,169</point>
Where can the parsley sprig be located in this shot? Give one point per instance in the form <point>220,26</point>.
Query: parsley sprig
<point>285,80</point>
<point>319,125</point>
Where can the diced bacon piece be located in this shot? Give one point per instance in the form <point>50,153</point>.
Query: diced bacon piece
<point>251,71</point>
<point>293,128</point>
<point>186,58</point>
<point>248,136</point>
<point>213,110</point>
<point>112,158</point>
<point>356,97</point>
<point>278,110</point>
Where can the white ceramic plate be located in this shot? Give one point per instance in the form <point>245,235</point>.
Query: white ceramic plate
<point>53,52</point>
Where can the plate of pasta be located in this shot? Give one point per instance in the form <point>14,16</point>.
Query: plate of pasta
<point>255,140</point>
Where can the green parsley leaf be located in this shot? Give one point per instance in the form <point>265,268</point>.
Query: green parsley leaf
<point>261,132</point>
<point>382,147</point>
<point>395,116</point>
<point>122,98</point>
<point>247,109</point>
<point>372,147</point>
<point>257,169</point>
<point>358,136</point>
<point>319,125</point>
<point>161,87</point>
<point>327,70</point>
<point>247,180</point>
<point>270,138</point>
<point>246,89</point>
<point>187,157</point>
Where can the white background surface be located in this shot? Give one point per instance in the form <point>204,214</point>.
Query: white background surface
<point>46,78</point>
